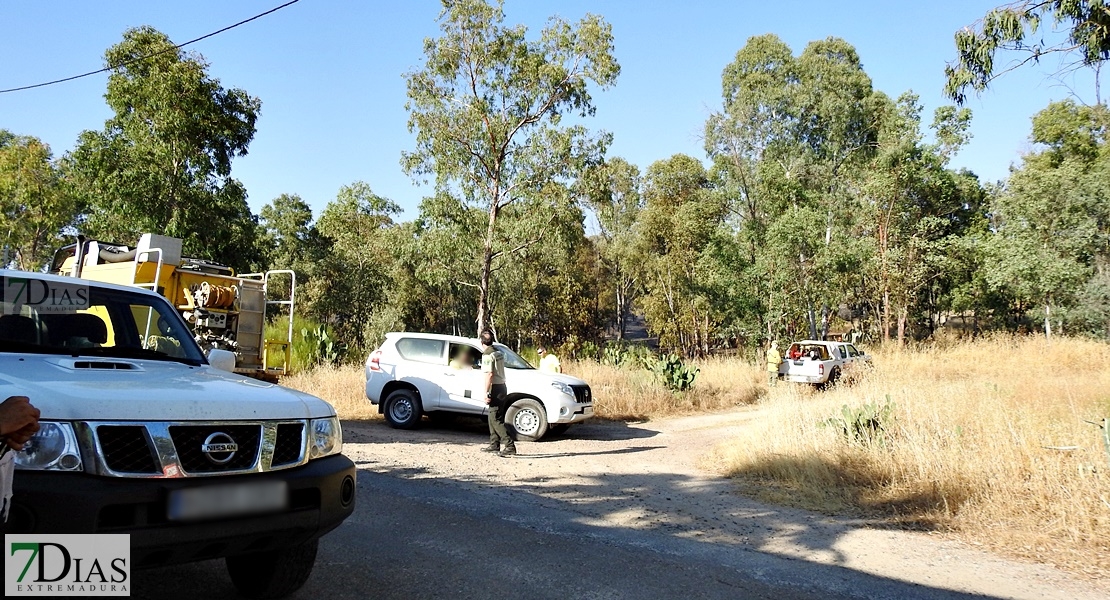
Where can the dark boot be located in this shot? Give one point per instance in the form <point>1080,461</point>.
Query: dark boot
<point>510,450</point>
<point>491,448</point>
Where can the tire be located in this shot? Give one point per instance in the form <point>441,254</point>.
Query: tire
<point>272,574</point>
<point>834,375</point>
<point>558,428</point>
<point>527,419</point>
<point>402,409</point>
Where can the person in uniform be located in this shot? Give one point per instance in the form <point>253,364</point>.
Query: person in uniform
<point>493,372</point>
<point>774,359</point>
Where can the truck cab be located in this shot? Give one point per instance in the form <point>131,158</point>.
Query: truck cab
<point>141,434</point>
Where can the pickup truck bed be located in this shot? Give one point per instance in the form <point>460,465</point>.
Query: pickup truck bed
<point>819,362</point>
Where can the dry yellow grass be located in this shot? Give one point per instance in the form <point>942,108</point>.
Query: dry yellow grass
<point>988,440</point>
<point>618,393</point>
<point>344,387</point>
<point>635,394</point>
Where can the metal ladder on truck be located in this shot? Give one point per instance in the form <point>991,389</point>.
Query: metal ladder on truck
<point>284,347</point>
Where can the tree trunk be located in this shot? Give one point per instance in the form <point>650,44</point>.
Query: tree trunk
<point>812,322</point>
<point>902,312</point>
<point>487,263</point>
<point>1048,321</point>
<point>885,320</point>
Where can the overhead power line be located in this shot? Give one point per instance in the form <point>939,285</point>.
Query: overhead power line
<point>141,58</point>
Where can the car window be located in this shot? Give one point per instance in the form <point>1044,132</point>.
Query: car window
<point>512,359</point>
<point>421,349</point>
<point>465,356</point>
<point>852,350</point>
<point>111,323</point>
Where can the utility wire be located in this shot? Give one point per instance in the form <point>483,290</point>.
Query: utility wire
<point>141,58</point>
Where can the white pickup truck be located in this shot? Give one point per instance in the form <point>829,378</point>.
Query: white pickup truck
<point>142,434</point>
<point>820,363</point>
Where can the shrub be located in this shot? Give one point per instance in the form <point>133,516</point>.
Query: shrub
<point>674,374</point>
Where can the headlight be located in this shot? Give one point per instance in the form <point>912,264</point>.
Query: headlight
<point>53,448</point>
<point>562,387</point>
<point>327,437</point>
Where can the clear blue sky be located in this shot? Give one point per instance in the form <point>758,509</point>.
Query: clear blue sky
<point>330,74</point>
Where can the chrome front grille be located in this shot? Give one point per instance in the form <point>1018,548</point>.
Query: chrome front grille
<point>190,440</point>
<point>127,449</point>
<point>288,444</point>
<point>191,449</point>
<point>582,394</point>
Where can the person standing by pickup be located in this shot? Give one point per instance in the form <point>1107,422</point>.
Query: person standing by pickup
<point>548,361</point>
<point>774,359</point>
<point>493,370</point>
<point>19,420</point>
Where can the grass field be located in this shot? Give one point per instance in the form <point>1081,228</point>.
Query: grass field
<point>987,439</point>
<point>984,439</point>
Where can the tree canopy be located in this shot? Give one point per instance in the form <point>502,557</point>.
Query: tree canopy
<point>163,161</point>
<point>487,109</point>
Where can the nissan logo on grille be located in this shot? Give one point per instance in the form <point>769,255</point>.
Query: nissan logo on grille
<point>219,447</point>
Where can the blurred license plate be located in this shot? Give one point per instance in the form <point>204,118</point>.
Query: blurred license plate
<point>227,500</point>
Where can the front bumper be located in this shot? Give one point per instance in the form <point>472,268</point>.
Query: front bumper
<point>576,413</point>
<point>321,496</point>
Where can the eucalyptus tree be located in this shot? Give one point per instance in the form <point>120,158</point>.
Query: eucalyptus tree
<point>487,108</point>
<point>913,208</point>
<point>790,131</point>
<point>35,209</point>
<point>349,284</point>
<point>612,191</point>
<point>681,215</point>
<point>1077,32</point>
<point>1052,246</point>
<point>163,161</point>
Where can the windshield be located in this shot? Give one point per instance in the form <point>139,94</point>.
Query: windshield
<point>113,323</point>
<point>512,359</point>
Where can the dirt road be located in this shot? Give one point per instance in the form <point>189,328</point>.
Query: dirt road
<point>611,510</point>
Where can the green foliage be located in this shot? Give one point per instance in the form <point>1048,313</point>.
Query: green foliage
<point>1013,29</point>
<point>35,208</point>
<point>486,109</point>
<point>326,349</point>
<point>868,424</point>
<point>349,283</point>
<point>1053,219</point>
<point>305,351</point>
<point>162,163</point>
<point>673,373</point>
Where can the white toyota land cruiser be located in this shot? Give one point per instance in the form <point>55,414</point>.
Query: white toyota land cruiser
<point>141,435</point>
<point>412,374</point>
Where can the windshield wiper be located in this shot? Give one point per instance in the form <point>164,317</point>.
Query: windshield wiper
<point>131,352</point>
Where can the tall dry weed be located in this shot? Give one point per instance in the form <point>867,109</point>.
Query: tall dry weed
<point>631,393</point>
<point>344,387</point>
<point>988,438</point>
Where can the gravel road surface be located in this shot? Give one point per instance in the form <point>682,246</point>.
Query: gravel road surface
<point>608,510</point>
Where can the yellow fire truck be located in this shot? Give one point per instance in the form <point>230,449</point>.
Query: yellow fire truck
<point>226,310</point>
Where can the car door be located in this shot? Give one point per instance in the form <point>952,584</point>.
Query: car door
<point>463,380</point>
<point>422,361</point>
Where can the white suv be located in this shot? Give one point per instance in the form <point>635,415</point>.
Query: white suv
<point>412,374</point>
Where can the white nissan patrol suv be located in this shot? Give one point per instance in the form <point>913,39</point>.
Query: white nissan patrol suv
<point>412,374</point>
<point>142,434</point>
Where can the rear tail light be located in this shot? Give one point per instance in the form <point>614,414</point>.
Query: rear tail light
<point>821,369</point>
<point>375,361</point>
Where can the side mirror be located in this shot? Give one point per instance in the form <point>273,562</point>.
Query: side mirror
<point>223,360</point>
